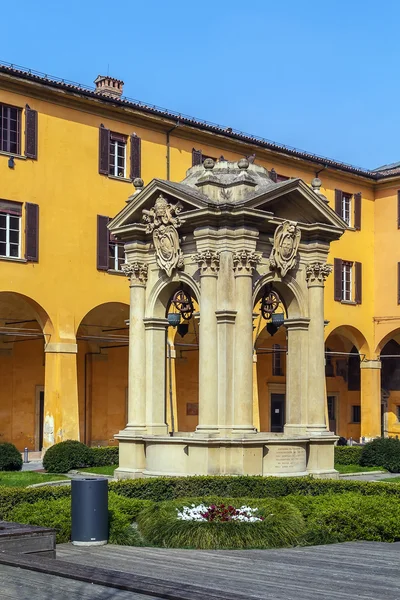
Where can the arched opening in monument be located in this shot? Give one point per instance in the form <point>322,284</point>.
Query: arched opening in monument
<point>270,352</point>
<point>343,354</point>
<point>182,362</point>
<point>25,328</point>
<point>390,384</point>
<point>103,340</point>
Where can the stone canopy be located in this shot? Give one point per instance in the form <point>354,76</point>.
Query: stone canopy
<point>227,233</point>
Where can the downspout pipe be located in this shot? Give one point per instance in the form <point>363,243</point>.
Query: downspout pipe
<point>168,150</point>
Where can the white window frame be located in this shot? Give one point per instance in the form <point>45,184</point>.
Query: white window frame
<point>346,208</point>
<point>113,253</point>
<point>347,281</point>
<point>115,144</point>
<point>8,229</point>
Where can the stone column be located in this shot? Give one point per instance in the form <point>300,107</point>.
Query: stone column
<point>155,375</point>
<point>244,263</point>
<point>297,376</point>
<point>137,273</point>
<point>370,399</point>
<point>61,406</point>
<point>316,273</point>
<point>208,356</point>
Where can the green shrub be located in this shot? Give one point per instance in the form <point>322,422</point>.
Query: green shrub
<point>56,513</point>
<point>67,455</point>
<point>10,458</point>
<point>12,497</point>
<point>349,517</point>
<point>283,526</point>
<point>104,456</point>
<point>382,452</point>
<point>348,455</point>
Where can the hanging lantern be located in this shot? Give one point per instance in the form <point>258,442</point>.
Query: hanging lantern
<point>174,319</point>
<point>278,319</point>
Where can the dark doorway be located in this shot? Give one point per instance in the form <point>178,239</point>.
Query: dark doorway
<point>41,418</point>
<point>277,412</point>
<point>332,413</point>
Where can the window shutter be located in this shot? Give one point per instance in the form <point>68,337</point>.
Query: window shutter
<point>357,210</point>
<point>135,156</point>
<point>337,268</point>
<point>104,150</point>
<point>358,282</point>
<point>338,202</point>
<point>197,157</point>
<point>31,130</point>
<point>103,238</point>
<point>32,232</point>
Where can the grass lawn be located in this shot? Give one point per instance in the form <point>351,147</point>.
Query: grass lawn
<point>25,478</point>
<point>109,470</point>
<point>347,469</point>
<point>392,479</point>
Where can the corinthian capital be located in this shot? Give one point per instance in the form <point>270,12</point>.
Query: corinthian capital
<point>208,262</point>
<point>317,272</point>
<point>244,262</point>
<point>136,271</point>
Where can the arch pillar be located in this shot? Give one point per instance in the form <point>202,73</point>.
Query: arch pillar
<point>370,398</point>
<point>61,407</point>
<point>156,332</point>
<point>297,375</point>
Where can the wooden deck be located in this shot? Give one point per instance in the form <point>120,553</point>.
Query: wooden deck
<point>362,570</point>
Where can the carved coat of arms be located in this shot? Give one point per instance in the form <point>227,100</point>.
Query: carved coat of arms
<point>162,221</point>
<point>286,243</point>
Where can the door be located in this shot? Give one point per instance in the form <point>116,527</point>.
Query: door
<point>332,413</point>
<point>277,412</point>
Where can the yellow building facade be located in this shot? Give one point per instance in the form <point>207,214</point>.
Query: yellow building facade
<point>68,156</point>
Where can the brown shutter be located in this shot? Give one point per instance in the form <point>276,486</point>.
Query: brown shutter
<point>32,232</point>
<point>197,157</point>
<point>358,282</point>
<point>338,202</point>
<point>103,238</point>
<point>398,283</point>
<point>104,150</point>
<point>398,209</point>
<point>357,210</point>
<point>31,119</point>
<point>338,294</point>
<point>135,156</point>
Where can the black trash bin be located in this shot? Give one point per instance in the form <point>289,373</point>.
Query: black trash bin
<point>89,511</point>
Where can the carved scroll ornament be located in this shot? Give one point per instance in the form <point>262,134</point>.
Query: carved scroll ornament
<point>286,244</point>
<point>162,221</point>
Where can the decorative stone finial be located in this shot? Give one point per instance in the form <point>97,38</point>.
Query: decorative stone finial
<point>317,272</point>
<point>243,163</point>
<point>209,163</point>
<point>138,184</point>
<point>316,186</point>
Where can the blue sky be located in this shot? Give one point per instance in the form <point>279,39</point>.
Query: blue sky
<point>319,76</point>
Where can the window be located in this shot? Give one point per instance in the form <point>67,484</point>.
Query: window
<point>117,165</point>
<point>10,229</point>
<point>346,208</point>
<point>276,360</point>
<point>331,408</point>
<point>347,280</point>
<point>10,129</point>
<point>116,254</point>
<point>356,413</point>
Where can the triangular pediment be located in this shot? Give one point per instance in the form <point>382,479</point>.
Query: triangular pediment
<point>132,214</point>
<point>294,200</point>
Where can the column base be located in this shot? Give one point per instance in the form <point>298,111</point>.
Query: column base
<point>207,430</point>
<point>242,431</point>
<point>157,429</point>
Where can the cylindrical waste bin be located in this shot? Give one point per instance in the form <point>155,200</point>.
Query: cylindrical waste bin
<point>89,511</point>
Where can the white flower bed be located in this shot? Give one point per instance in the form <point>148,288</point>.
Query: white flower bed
<point>219,513</point>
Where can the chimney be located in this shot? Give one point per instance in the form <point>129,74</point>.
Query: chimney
<point>108,86</point>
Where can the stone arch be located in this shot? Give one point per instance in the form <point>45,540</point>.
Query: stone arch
<point>160,295</point>
<point>289,290</point>
<point>20,303</point>
<point>394,334</point>
<point>353,335</point>
<point>102,372</point>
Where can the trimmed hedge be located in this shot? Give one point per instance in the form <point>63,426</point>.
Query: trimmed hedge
<point>382,452</point>
<point>104,456</point>
<point>65,456</point>
<point>10,457</point>
<point>283,526</point>
<point>348,455</point>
